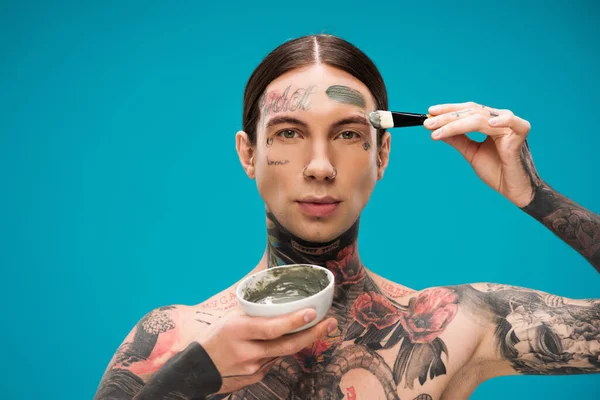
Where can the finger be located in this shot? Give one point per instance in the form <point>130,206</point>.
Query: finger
<point>434,122</point>
<point>292,344</point>
<point>267,328</point>
<point>450,107</point>
<point>509,120</point>
<point>472,123</point>
<point>446,118</point>
<point>464,145</point>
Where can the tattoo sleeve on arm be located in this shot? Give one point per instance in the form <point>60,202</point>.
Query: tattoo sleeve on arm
<point>578,227</point>
<point>536,332</point>
<point>148,366</point>
<point>133,358</point>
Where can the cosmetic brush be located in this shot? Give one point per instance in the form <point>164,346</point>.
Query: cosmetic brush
<point>396,119</point>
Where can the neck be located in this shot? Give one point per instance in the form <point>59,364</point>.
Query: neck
<point>339,255</point>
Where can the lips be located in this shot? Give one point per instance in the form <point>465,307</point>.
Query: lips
<point>318,206</point>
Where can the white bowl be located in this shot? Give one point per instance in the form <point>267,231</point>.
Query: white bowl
<point>320,301</point>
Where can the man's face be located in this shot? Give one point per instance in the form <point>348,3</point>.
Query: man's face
<point>316,155</point>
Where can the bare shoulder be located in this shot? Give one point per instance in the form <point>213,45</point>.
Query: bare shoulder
<point>389,288</point>
<point>201,316</point>
<point>220,303</point>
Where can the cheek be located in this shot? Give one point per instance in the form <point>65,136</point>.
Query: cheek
<point>365,186</point>
<point>361,174</point>
<point>276,168</point>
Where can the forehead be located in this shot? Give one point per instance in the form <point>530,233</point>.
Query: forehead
<point>322,78</point>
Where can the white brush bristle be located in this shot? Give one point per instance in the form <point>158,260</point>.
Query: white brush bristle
<point>381,119</point>
<point>386,119</point>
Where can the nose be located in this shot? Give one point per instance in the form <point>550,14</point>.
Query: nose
<point>320,167</point>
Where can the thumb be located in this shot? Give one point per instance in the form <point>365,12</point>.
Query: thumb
<point>465,146</point>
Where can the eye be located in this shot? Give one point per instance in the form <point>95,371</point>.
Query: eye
<point>349,135</point>
<point>288,134</point>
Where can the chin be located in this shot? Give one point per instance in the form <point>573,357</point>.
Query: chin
<point>318,230</point>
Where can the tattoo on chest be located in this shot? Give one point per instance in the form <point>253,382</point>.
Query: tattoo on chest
<point>368,321</point>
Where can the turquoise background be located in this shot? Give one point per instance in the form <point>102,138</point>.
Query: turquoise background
<point>122,191</point>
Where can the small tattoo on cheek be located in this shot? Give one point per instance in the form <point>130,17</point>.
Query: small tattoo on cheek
<point>278,162</point>
<point>366,146</point>
<point>269,141</point>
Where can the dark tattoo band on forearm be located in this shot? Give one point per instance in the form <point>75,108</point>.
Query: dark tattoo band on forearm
<point>189,374</point>
<point>577,226</point>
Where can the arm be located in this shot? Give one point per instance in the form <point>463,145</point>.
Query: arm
<point>532,332</point>
<point>137,370</point>
<point>504,163</point>
<point>170,354</point>
<point>572,223</point>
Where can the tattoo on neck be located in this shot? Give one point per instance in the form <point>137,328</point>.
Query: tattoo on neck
<point>577,226</point>
<point>316,251</point>
<point>339,255</point>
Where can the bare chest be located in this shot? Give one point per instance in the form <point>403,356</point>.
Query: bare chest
<point>351,373</point>
<point>382,349</point>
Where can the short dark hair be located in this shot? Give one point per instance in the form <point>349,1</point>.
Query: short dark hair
<point>305,51</point>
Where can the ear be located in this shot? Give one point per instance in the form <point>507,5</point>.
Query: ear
<point>245,153</point>
<point>383,154</point>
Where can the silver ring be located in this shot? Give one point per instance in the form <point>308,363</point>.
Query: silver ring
<point>334,173</point>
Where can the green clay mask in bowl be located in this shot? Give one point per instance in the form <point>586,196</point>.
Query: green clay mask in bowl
<point>284,285</point>
<point>285,289</point>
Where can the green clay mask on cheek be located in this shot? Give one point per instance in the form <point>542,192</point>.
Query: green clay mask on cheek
<point>283,285</point>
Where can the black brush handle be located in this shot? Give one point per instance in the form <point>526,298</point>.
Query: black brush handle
<point>404,119</point>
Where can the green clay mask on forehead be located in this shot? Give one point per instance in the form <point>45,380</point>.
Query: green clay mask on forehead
<point>283,285</point>
<point>346,95</point>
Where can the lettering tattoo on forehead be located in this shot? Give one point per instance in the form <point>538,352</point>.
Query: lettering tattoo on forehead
<point>346,95</point>
<point>274,102</point>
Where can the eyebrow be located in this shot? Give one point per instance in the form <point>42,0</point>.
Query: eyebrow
<point>285,120</point>
<point>291,120</point>
<point>351,120</point>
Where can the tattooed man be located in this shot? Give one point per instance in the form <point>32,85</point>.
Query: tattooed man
<point>316,159</point>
